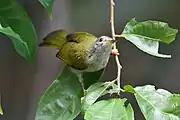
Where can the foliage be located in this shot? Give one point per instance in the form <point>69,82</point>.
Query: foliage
<point>112,109</point>
<point>62,100</point>
<point>94,92</point>
<point>157,104</point>
<point>147,35</point>
<point>65,99</point>
<point>15,23</point>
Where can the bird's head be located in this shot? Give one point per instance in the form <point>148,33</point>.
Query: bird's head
<point>100,52</point>
<point>103,45</point>
<point>104,42</point>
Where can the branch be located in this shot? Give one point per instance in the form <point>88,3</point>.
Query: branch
<point>119,67</point>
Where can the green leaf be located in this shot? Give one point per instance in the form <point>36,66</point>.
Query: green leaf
<point>93,93</point>
<point>48,4</point>
<point>62,100</point>
<point>158,104</point>
<point>112,109</point>
<point>147,35</point>
<point>16,24</point>
<point>97,90</point>
<point>129,88</point>
<point>175,110</point>
<point>16,39</point>
<point>130,112</point>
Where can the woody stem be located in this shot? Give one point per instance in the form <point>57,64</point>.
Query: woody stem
<point>119,67</point>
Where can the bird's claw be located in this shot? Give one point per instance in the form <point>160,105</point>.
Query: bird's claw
<point>115,52</point>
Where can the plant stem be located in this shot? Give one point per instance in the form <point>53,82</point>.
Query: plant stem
<point>119,67</point>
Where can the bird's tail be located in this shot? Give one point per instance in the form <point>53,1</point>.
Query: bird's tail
<point>54,39</point>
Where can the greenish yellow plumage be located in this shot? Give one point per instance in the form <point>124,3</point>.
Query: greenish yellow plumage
<point>55,39</point>
<point>80,50</point>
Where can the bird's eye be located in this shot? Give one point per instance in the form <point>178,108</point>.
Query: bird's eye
<point>101,39</point>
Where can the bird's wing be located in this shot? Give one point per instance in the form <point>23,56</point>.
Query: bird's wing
<point>75,51</point>
<point>63,54</point>
<point>55,39</point>
<point>75,55</point>
<point>79,37</point>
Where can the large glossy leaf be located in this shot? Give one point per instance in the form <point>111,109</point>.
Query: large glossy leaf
<point>16,24</point>
<point>158,104</point>
<point>147,35</point>
<point>112,109</point>
<point>48,4</point>
<point>94,92</point>
<point>62,100</point>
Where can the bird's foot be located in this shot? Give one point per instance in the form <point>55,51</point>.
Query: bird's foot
<point>115,52</point>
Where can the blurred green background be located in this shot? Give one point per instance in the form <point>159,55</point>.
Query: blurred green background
<point>23,83</point>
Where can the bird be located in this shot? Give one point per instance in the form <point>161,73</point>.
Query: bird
<point>82,51</point>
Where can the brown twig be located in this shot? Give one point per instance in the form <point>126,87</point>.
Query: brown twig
<point>119,67</point>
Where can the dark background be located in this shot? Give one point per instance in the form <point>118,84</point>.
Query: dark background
<point>22,83</point>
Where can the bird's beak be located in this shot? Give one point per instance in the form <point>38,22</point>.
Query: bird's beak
<point>111,41</point>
